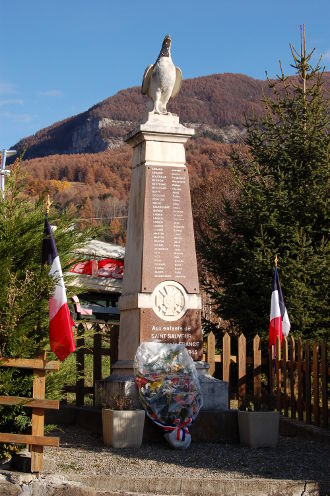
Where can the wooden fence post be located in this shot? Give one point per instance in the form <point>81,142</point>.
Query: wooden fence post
<point>278,374</point>
<point>80,366</point>
<point>300,405</point>
<point>226,362</point>
<point>97,357</point>
<point>241,369</point>
<point>38,417</point>
<point>211,352</point>
<point>324,384</point>
<point>308,384</point>
<point>292,377</point>
<point>316,399</point>
<point>38,403</point>
<point>256,370</point>
<point>285,375</point>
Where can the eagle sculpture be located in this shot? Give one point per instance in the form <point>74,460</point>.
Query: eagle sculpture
<point>162,80</point>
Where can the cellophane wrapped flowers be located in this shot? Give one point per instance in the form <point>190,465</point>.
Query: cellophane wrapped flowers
<point>169,389</point>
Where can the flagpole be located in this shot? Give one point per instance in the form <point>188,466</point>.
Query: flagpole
<point>273,348</point>
<point>48,204</point>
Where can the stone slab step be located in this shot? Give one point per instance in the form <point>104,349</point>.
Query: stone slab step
<point>13,484</point>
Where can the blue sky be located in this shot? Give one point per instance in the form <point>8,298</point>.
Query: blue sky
<point>58,58</point>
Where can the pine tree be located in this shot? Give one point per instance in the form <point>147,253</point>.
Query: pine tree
<point>25,284</point>
<point>281,209</point>
<point>25,288</point>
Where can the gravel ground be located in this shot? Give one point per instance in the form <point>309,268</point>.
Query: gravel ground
<point>83,453</point>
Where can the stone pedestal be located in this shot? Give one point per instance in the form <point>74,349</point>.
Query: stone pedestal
<point>160,299</point>
<point>122,382</point>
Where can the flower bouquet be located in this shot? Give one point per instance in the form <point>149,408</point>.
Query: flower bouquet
<point>169,389</point>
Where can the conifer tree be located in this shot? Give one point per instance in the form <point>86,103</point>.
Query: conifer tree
<point>25,284</point>
<point>281,209</point>
<point>25,288</point>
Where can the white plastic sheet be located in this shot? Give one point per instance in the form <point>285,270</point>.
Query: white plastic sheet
<point>169,389</point>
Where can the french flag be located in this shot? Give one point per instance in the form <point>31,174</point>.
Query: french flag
<point>60,322</point>
<point>279,320</point>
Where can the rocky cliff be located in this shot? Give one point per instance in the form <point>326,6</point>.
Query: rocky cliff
<point>216,106</point>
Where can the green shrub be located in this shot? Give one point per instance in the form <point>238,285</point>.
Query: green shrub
<point>24,295</point>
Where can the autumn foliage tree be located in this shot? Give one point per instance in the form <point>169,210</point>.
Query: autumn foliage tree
<point>280,208</point>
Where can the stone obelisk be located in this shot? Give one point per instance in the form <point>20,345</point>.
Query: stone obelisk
<point>160,298</point>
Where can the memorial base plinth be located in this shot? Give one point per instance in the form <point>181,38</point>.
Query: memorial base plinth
<point>211,426</point>
<point>122,382</point>
<point>214,391</point>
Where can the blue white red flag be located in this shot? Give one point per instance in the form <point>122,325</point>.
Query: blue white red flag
<point>279,325</point>
<point>60,322</point>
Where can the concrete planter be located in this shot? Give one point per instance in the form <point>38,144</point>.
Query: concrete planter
<point>123,428</point>
<point>259,429</point>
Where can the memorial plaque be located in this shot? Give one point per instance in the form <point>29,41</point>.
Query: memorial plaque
<point>169,245</point>
<point>186,330</point>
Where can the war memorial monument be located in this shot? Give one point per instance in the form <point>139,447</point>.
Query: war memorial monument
<point>160,298</point>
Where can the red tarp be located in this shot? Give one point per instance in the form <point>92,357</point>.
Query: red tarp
<point>107,267</point>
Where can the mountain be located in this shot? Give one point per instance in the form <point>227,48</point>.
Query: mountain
<point>215,105</point>
<point>83,162</point>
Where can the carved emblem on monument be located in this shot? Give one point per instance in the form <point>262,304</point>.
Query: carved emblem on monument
<point>169,300</point>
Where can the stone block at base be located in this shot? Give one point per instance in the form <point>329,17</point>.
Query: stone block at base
<point>122,382</point>
<point>215,392</point>
<point>211,426</point>
<point>116,385</point>
<point>214,426</point>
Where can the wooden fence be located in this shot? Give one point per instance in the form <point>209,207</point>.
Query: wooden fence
<point>38,403</point>
<point>294,382</point>
<point>99,340</point>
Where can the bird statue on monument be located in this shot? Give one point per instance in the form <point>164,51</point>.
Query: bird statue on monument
<point>162,80</point>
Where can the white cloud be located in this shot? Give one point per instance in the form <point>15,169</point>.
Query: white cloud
<point>13,101</point>
<point>17,117</point>
<point>326,55</point>
<point>51,93</point>
<point>7,88</point>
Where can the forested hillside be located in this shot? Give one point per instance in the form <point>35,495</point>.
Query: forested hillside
<point>211,104</point>
<point>83,161</point>
<point>216,106</point>
<point>97,184</point>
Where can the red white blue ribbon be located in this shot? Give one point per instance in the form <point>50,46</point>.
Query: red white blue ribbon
<point>177,425</point>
